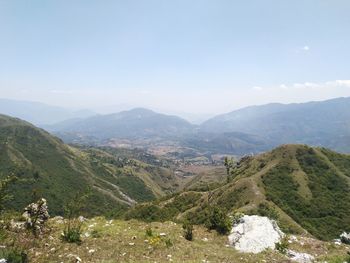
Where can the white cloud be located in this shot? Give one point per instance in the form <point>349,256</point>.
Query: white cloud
<point>306,48</point>
<point>258,88</point>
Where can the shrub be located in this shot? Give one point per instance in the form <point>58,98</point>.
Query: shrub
<point>73,226</point>
<point>72,231</point>
<point>14,255</point>
<point>282,246</point>
<point>149,232</point>
<point>219,221</point>
<point>188,231</point>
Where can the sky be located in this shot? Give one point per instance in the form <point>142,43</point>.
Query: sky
<point>179,56</point>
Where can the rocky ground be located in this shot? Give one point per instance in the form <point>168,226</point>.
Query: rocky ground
<point>127,241</point>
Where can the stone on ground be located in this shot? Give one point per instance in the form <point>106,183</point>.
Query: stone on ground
<point>254,234</point>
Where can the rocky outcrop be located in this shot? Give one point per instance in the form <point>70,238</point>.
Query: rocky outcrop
<point>254,234</point>
<point>36,215</point>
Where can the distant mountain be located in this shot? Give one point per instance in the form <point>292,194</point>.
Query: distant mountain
<point>325,123</point>
<point>39,113</point>
<point>303,188</point>
<point>135,123</point>
<point>48,168</point>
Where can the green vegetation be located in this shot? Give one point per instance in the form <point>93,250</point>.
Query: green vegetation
<point>14,255</point>
<point>152,212</point>
<point>219,220</point>
<point>188,230</point>
<point>283,245</point>
<point>45,167</point>
<point>327,213</point>
<point>73,224</point>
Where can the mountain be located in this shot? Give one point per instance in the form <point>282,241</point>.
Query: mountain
<point>39,113</point>
<point>46,167</point>
<point>303,188</point>
<point>325,123</point>
<point>135,123</point>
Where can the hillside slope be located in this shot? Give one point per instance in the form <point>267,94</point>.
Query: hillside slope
<point>303,188</point>
<point>46,167</point>
<point>324,123</point>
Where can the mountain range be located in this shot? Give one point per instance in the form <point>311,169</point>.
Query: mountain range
<point>249,130</point>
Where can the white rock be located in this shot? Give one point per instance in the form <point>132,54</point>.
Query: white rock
<point>254,234</point>
<point>162,234</point>
<point>3,260</point>
<point>337,242</point>
<point>300,257</point>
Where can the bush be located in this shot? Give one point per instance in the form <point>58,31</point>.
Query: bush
<point>72,232</point>
<point>188,231</point>
<point>73,226</point>
<point>219,221</point>
<point>282,246</point>
<point>149,232</point>
<point>14,255</point>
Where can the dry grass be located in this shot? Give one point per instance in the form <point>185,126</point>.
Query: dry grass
<point>126,241</point>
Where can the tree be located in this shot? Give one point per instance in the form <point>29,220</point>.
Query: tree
<point>229,164</point>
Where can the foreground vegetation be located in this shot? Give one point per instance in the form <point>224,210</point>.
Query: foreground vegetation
<point>110,241</point>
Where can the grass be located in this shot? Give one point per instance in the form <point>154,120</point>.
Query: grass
<point>131,241</point>
<point>126,241</point>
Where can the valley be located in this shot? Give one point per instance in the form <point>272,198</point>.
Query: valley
<point>163,177</point>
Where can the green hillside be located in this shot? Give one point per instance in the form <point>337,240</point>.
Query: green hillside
<point>46,167</point>
<point>304,188</point>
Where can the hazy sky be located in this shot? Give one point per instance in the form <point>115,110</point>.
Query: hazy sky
<point>207,56</point>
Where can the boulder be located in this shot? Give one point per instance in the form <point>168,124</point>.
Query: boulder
<point>254,234</point>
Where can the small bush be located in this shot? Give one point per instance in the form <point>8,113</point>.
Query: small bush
<point>73,226</point>
<point>219,221</point>
<point>72,232</point>
<point>188,231</point>
<point>282,246</point>
<point>149,232</point>
<point>14,255</point>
